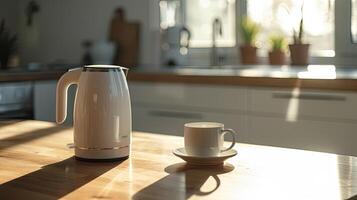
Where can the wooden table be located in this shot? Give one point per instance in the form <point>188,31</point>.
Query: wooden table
<point>36,163</point>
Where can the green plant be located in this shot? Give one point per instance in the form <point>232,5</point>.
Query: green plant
<point>278,43</point>
<point>297,35</point>
<point>7,44</point>
<point>249,31</point>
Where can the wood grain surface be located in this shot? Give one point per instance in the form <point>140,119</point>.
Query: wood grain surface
<point>37,163</point>
<point>30,76</point>
<point>319,84</point>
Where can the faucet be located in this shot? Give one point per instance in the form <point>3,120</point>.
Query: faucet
<point>216,30</point>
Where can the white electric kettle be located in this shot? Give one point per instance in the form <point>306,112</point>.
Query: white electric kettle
<point>102,111</point>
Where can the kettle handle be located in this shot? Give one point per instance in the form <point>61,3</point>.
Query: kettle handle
<point>66,80</point>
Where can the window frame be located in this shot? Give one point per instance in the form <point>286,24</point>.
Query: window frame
<point>345,49</point>
<point>344,46</point>
<point>200,56</point>
<point>184,20</point>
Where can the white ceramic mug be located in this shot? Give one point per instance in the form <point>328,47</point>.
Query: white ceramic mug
<point>206,138</point>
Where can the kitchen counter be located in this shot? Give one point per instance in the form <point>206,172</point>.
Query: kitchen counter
<point>37,163</point>
<point>320,77</point>
<point>18,74</point>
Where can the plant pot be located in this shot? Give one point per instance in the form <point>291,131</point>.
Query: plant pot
<point>248,54</point>
<point>299,54</point>
<point>277,57</point>
<point>13,61</point>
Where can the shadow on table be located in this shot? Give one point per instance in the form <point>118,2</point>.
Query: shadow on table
<point>5,123</point>
<point>55,180</point>
<point>183,181</point>
<point>28,136</point>
<point>352,198</point>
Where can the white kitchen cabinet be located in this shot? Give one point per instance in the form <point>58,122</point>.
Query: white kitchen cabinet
<point>15,93</point>
<point>165,108</point>
<point>304,119</point>
<point>229,98</point>
<point>302,104</point>
<point>45,101</point>
<point>325,136</point>
<point>16,100</point>
<point>171,121</point>
<point>165,121</point>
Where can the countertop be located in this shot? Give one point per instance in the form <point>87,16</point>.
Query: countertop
<point>20,74</point>
<point>321,77</point>
<point>36,163</point>
<point>260,71</point>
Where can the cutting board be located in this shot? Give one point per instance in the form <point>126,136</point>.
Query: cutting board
<point>125,35</point>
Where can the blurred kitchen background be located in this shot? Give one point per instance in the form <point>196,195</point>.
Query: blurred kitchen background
<point>53,32</point>
<point>195,60</point>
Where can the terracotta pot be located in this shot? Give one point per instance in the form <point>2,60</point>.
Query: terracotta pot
<point>299,54</point>
<point>13,61</point>
<point>277,57</point>
<point>248,54</point>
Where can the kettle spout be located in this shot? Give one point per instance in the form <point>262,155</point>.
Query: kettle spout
<point>125,70</point>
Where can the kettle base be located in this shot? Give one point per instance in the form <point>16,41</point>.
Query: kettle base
<point>121,153</point>
<point>101,160</point>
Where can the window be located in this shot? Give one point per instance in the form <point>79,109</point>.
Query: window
<point>354,21</point>
<point>283,16</point>
<point>170,14</point>
<point>274,17</point>
<point>198,16</point>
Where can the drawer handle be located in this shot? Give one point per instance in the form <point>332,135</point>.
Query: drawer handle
<point>320,97</point>
<point>173,114</point>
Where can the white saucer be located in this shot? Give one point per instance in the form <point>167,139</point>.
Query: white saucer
<point>209,160</point>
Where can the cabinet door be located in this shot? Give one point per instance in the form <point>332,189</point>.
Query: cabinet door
<point>303,104</point>
<point>164,121</point>
<point>332,137</point>
<point>169,121</point>
<point>208,97</point>
<point>45,101</point>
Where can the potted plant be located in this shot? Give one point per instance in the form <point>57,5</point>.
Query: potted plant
<point>248,50</point>
<point>7,45</point>
<point>277,53</point>
<point>299,51</point>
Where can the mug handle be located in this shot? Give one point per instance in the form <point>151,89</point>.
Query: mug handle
<point>233,133</point>
<point>218,183</point>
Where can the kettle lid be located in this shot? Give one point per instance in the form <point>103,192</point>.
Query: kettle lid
<point>104,66</point>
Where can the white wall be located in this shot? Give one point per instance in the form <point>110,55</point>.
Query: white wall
<point>62,25</point>
<point>7,12</point>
